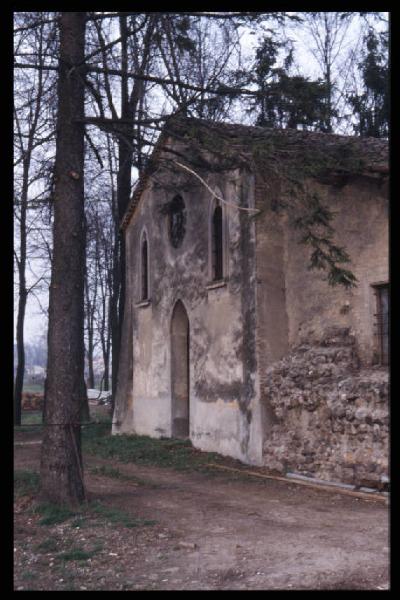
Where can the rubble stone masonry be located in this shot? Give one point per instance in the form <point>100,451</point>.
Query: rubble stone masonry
<point>331,417</point>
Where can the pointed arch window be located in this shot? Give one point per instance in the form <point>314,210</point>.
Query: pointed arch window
<point>177,221</point>
<point>217,258</point>
<point>144,268</point>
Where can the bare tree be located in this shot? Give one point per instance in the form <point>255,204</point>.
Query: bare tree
<point>171,45</point>
<point>99,289</point>
<point>33,132</point>
<point>331,44</point>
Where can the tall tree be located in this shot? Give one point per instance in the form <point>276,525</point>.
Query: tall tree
<point>135,41</point>
<point>61,460</point>
<point>283,99</point>
<point>329,42</point>
<point>33,131</point>
<point>371,103</point>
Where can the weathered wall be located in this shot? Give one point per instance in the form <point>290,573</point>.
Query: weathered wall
<point>272,317</point>
<point>244,402</point>
<point>361,226</point>
<point>331,417</point>
<point>223,370</point>
<point>325,411</point>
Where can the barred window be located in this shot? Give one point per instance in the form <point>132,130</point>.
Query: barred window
<point>382,322</point>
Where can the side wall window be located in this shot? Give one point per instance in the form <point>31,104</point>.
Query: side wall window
<point>382,322</point>
<point>217,246</point>
<point>144,268</point>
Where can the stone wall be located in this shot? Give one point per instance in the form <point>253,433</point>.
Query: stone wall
<point>331,417</point>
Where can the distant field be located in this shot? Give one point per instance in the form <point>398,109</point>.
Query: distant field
<point>34,387</point>
<point>33,417</point>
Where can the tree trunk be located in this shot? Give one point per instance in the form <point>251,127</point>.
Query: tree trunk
<point>19,376</point>
<point>105,338</point>
<point>125,159</point>
<point>90,332</point>
<point>61,458</point>
<point>106,376</point>
<point>90,382</point>
<point>114,317</point>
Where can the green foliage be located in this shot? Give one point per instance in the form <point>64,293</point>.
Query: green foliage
<point>172,453</point>
<point>287,163</point>
<point>48,545</point>
<point>25,482</point>
<point>286,100</point>
<point>96,430</point>
<point>107,471</point>
<point>325,254</point>
<point>33,417</point>
<point>114,515</point>
<point>53,514</point>
<point>371,106</point>
<point>79,554</point>
<point>306,211</point>
<point>79,521</point>
<point>28,575</point>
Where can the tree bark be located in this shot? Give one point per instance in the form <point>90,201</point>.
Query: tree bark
<point>125,159</point>
<point>23,294</point>
<point>19,375</point>
<point>90,303</point>
<point>61,458</point>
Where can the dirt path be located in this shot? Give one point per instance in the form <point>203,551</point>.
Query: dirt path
<point>211,532</point>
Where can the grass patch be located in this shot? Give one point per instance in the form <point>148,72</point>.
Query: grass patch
<point>96,430</point>
<point>30,422</point>
<point>171,453</point>
<point>28,576</point>
<point>78,554</point>
<point>53,514</point>
<point>79,522</point>
<point>107,471</point>
<point>100,416</point>
<point>114,515</point>
<point>26,482</point>
<point>49,545</point>
<point>33,417</point>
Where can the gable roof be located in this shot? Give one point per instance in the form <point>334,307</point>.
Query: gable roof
<point>336,153</point>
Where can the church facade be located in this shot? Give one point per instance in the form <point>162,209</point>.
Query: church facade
<point>229,338</point>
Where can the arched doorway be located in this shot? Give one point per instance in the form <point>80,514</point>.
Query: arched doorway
<point>180,371</point>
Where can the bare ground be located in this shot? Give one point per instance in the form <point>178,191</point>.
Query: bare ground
<point>210,532</point>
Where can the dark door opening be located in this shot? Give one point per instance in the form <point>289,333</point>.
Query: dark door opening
<point>180,371</point>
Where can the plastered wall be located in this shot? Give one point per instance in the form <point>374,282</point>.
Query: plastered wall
<point>223,369</point>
